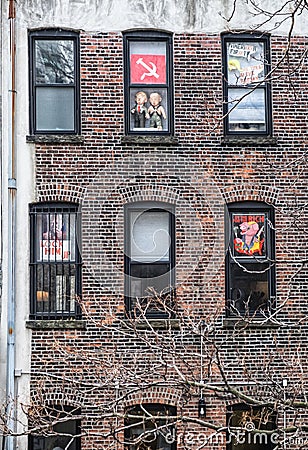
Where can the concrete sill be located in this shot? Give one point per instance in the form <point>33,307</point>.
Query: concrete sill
<point>162,324</point>
<point>253,322</point>
<point>55,139</point>
<point>149,139</point>
<point>56,324</point>
<point>249,140</point>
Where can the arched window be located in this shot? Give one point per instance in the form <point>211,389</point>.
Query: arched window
<point>55,264</point>
<point>250,259</point>
<point>249,426</point>
<point>149,255</point>
<point>150,427</point>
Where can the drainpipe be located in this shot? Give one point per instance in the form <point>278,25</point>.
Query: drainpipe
<point>10,381</point>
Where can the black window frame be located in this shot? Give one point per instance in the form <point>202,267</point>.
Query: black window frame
<point>43,294</point>
<point>238,37</point>
<point>154,409</point>
<point>235,304</point>
<point>142,36</point>
<point>129,263</point>
<point>54,35</point>
<point>247,429</point>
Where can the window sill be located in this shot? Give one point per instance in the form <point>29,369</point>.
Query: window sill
<point>248,140</point>
<point>149,139</point>
<point>55,139</point>
<point>249,322</point>
<point>156,324</point>
<point>56,324</point>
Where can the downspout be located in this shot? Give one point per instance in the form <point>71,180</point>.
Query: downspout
<point>10,380</point>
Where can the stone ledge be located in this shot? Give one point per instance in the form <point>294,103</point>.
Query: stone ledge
<point>55,324</point>
<point>164,324</point>
<point>248,140</point>
<point>254,322</point>
<point>149,139</point>
<point>55,139</point>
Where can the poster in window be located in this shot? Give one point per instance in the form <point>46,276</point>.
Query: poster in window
<point>148,68</point>
<point>55,242</point>
<point>249,234</point>
<point>245,62</point>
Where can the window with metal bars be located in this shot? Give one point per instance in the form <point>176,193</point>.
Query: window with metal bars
<point>55,261</point>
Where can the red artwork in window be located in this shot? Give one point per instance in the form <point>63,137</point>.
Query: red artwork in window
<point>249,234</point>
<point>148,69</point>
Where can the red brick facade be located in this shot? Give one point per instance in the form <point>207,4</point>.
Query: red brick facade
<point>198,173</point>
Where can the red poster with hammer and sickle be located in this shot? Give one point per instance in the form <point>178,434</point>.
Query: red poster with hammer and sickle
<point>148,69</point>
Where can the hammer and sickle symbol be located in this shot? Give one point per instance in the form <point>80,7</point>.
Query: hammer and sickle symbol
<point>151,70</point>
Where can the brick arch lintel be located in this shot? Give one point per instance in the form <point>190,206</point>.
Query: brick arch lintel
<point>158,395</point>
<point>60,192</point>
<point>64,396</point>
<point>255,391</point>
<point>246,192</point>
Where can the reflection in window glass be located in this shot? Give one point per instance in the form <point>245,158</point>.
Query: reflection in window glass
<point>149,433</point>
<point>247,110</point>
<point>54,61</point>
<point>243,419</point>
<point>249,287</point>
<point>60,440</point>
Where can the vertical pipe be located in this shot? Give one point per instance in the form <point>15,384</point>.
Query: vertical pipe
<point>10,381</point>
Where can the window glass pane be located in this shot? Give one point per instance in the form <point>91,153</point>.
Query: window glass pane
<point>149,110</point>
<point>248,234</point>
<point>150,236</point>
<point>54,61</point>
<point>55,109</point>
<point>164,438</point>
<point>55,284</point>
<point>245,62</point>
<point>249,114</point>
<point>148,279</point>
<point>148,62</point>
<point>253,419</point>
<point>249,286</point>
<point>57,441</point>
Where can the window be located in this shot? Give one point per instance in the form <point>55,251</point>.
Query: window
<point>247,426</point>
<point>61,435</point>
<point>148,82</point>
<point>54,82</point>
<point>55,261</point>
<point>150,255</point>
<point>153,431</point>
<point>247,100</point>
<point>250,270</point>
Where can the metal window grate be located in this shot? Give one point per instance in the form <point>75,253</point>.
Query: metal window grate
<point>55,265</point>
